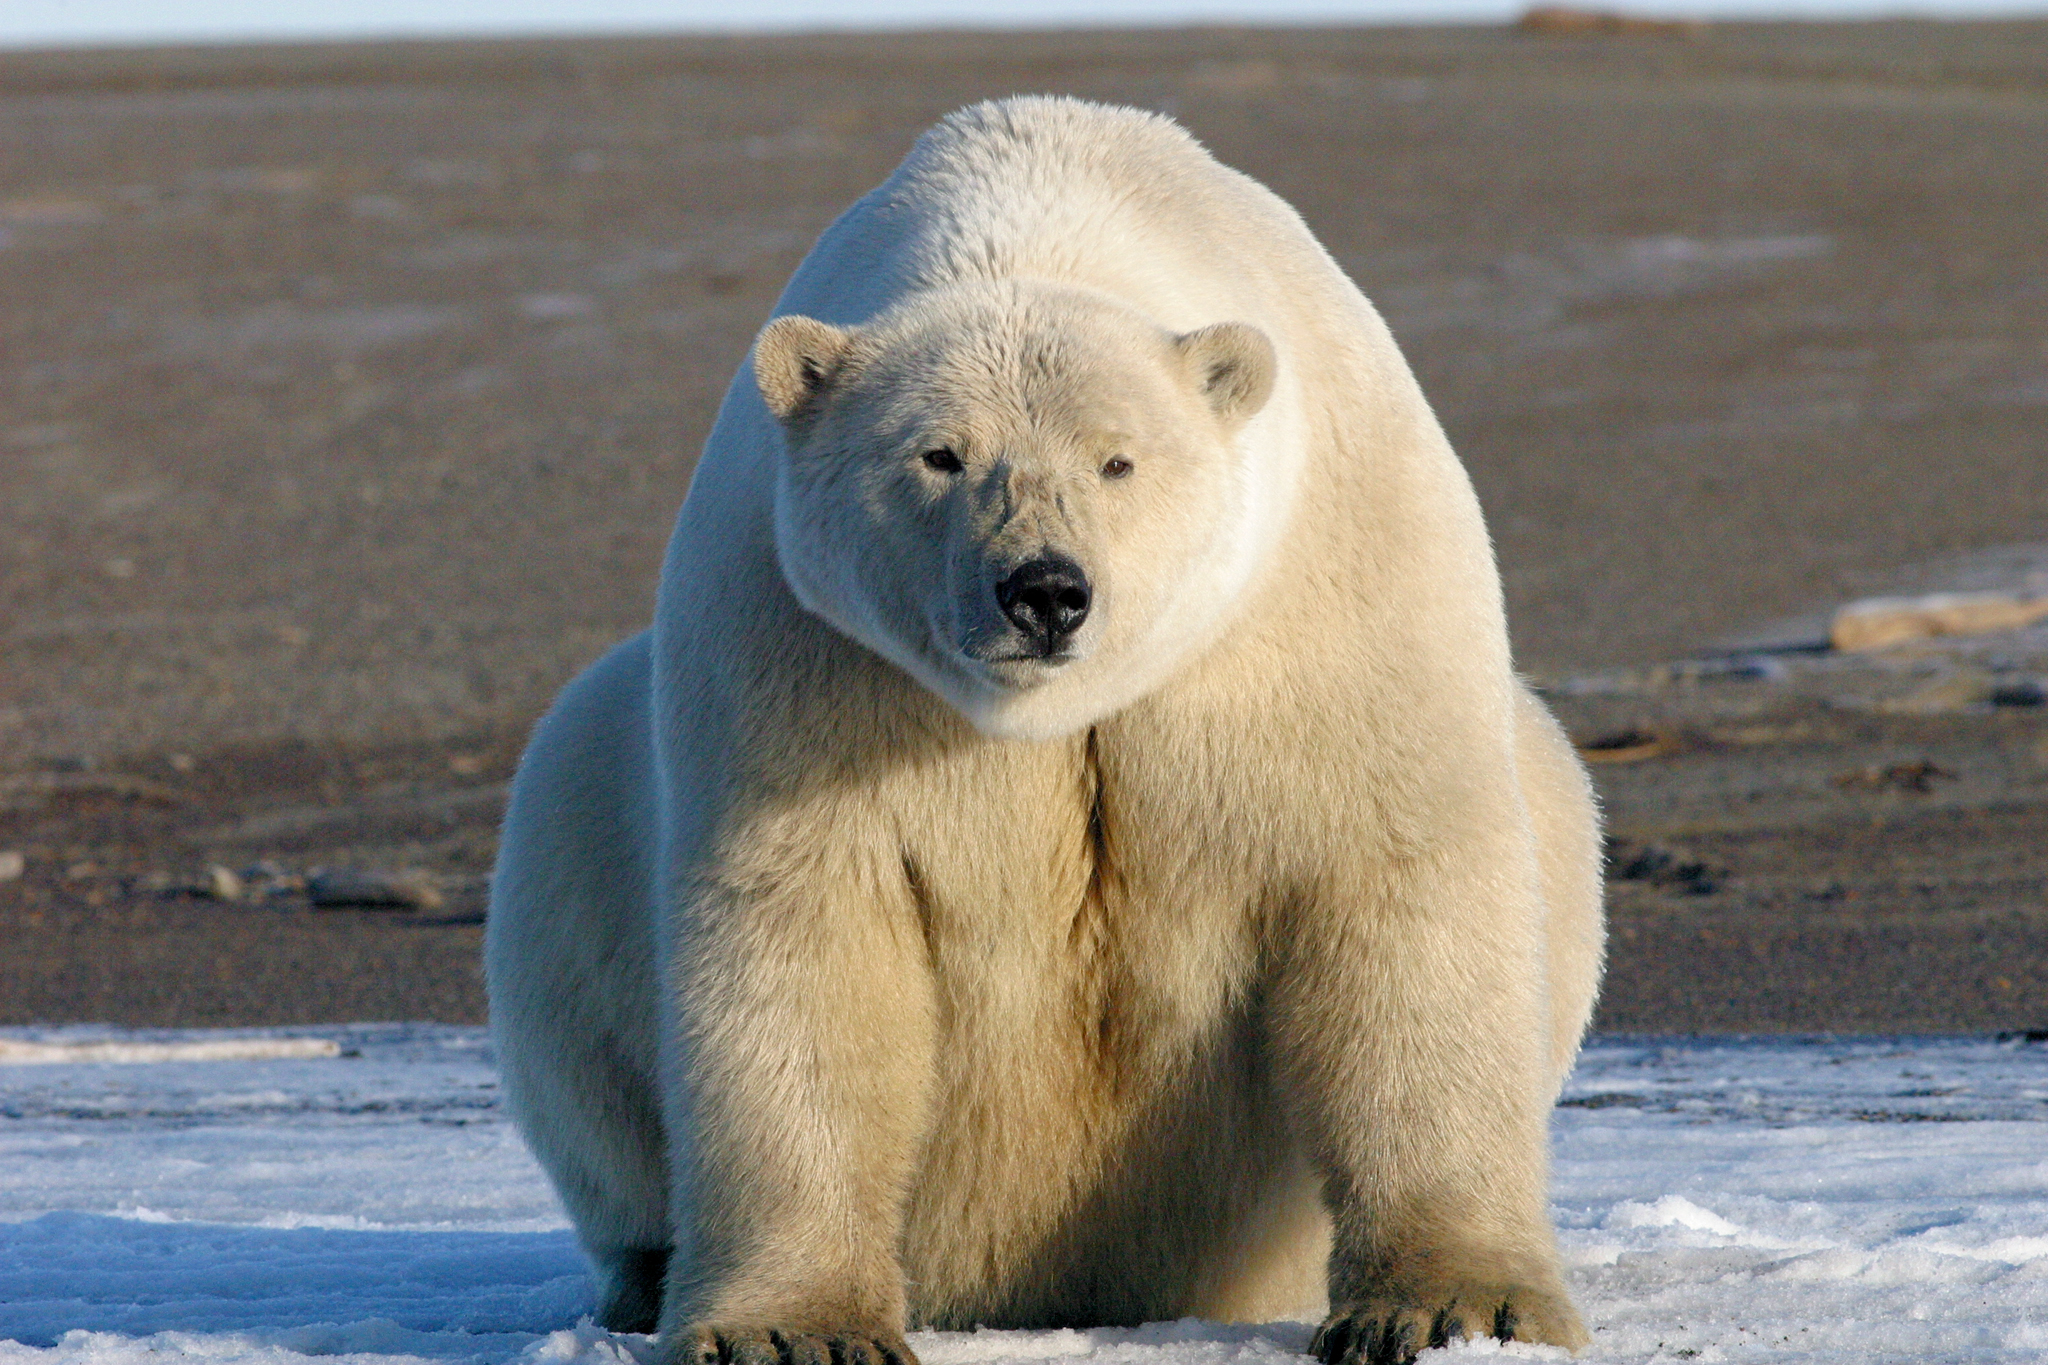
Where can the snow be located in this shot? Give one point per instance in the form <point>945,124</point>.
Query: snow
<point>17,1051</point>
<point>231,1197</point>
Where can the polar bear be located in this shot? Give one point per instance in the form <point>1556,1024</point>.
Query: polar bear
<point>1071,849</point>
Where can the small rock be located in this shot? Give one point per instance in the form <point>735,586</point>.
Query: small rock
<point>1917,777</point>
<point>267,879</point>
<point>2023,692</point>
<point>1877,622</point>
<point>388,890</point>
<point>1628,746</point>
<point>1659,866</point>
<point>1738,668</point>
<point>220,884</point>
<point>12,865</point>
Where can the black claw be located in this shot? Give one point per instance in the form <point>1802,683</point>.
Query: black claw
<point>1394,1343</point>
<point>1504,1323</point>
<point>1445,1328</point>
<point>1333,1341</point>
<point>809,1349</point>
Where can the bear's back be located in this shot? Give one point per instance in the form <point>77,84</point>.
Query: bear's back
<point>1113,199</point>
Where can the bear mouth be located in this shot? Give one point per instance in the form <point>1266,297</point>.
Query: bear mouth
<point>1005,660</point>
<point>1052,658</point>
<point>1014,648</point>
<point>1019,670</point>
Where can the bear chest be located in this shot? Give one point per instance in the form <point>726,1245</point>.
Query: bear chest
<point>1068,910</point>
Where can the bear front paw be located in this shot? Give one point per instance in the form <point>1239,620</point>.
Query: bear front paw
<point>1393,1331</point>
<point>712,1345</point>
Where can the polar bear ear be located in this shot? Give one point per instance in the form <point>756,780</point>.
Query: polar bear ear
<point>1232,364</point>
<point>795,360</point>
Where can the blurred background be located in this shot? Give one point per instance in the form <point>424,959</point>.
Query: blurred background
<point>51,23</point>
<point>354,362</point>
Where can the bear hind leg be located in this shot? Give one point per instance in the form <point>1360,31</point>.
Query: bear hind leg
<point>1563,808</point>
<point>629,1287</point>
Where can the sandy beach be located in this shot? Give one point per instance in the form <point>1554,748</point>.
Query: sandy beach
<point>347,394</point>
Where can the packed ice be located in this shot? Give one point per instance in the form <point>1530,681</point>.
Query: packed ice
<point>256,1196</point>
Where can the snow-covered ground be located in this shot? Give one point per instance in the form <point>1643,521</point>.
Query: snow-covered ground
<point>1739,1201</point>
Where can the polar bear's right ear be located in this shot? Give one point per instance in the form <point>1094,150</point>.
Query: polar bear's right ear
<point>795,361</point>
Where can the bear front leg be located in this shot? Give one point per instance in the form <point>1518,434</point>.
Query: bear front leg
<point>1410,1035</point>
<point>801,1060</point>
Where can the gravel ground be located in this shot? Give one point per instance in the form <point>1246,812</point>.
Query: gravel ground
<point>347,394</point>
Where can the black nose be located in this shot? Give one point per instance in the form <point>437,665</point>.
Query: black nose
<point>1047,599</point>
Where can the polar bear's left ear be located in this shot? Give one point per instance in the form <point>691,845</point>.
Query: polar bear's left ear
<point>795,360</point>
<point>1233,364</point>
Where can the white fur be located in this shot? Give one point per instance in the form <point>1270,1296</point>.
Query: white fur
<point>1227,968</point>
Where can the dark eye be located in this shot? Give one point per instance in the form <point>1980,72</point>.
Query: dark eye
<point>943,460</point>
<point>1116,467</point>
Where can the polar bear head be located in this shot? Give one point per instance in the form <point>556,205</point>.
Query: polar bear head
<point>1033,499</point>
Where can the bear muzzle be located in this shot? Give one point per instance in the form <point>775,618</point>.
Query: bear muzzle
<point>1047,600</point>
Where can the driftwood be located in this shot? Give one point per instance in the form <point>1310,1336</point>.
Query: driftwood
<point>1563,21</point>
<point>373,890</point>
<point>1876,622</point>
